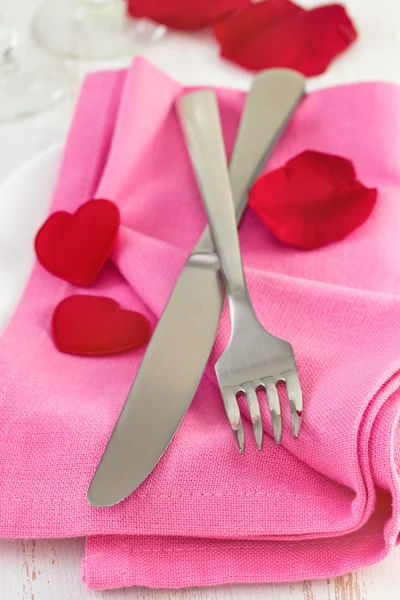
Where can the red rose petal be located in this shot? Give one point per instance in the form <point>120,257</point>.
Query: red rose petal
<point>315,199</point>
<point>278,33</point>
<point>75,247</point>
<point>183,14</point>
<point>97,326</point>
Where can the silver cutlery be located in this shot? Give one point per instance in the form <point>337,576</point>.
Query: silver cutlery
<point>183,339</point>
<point>254,358</point>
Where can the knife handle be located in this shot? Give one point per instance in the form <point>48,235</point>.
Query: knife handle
<point>269,105</point>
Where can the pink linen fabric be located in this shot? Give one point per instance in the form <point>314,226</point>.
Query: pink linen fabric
<point>319,506</point>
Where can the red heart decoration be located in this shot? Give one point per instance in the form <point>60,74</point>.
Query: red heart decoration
<point>97,326</point>
<point>75,247</point>
<point>313,200</point>
<point>279,33</point>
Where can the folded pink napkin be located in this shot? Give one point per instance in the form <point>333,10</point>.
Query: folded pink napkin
<point>319,506</point>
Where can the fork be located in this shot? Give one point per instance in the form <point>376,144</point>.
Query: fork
<point>254,358</point>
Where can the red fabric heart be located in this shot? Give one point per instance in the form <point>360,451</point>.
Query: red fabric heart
<point>97,326</point>
<point>279,33</point>
<point>183,14</point>
<point>75,247</point>
<point>315,199</point>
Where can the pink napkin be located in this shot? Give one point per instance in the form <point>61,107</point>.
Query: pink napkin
<point>319,506</point>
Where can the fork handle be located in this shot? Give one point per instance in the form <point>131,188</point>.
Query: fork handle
<point>200,120</point>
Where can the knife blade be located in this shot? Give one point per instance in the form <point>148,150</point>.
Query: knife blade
<point>183,339</point>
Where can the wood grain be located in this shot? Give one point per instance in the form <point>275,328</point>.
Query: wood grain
<point>50,569</point>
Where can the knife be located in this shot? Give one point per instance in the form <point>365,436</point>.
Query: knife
<point>183,339</point>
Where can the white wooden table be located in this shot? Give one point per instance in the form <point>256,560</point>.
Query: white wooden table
<point>50,569</point>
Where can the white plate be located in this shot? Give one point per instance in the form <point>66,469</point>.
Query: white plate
<point>25,199</point>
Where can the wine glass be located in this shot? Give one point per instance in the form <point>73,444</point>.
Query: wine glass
<point>30,81</point>
<point>92,29</point>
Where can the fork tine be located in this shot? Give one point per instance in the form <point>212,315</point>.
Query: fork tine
<point>254,408</point>
<point>274,407</point>
<point>239,436</point>
<point>296,400</point>
<point>233,414</point>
